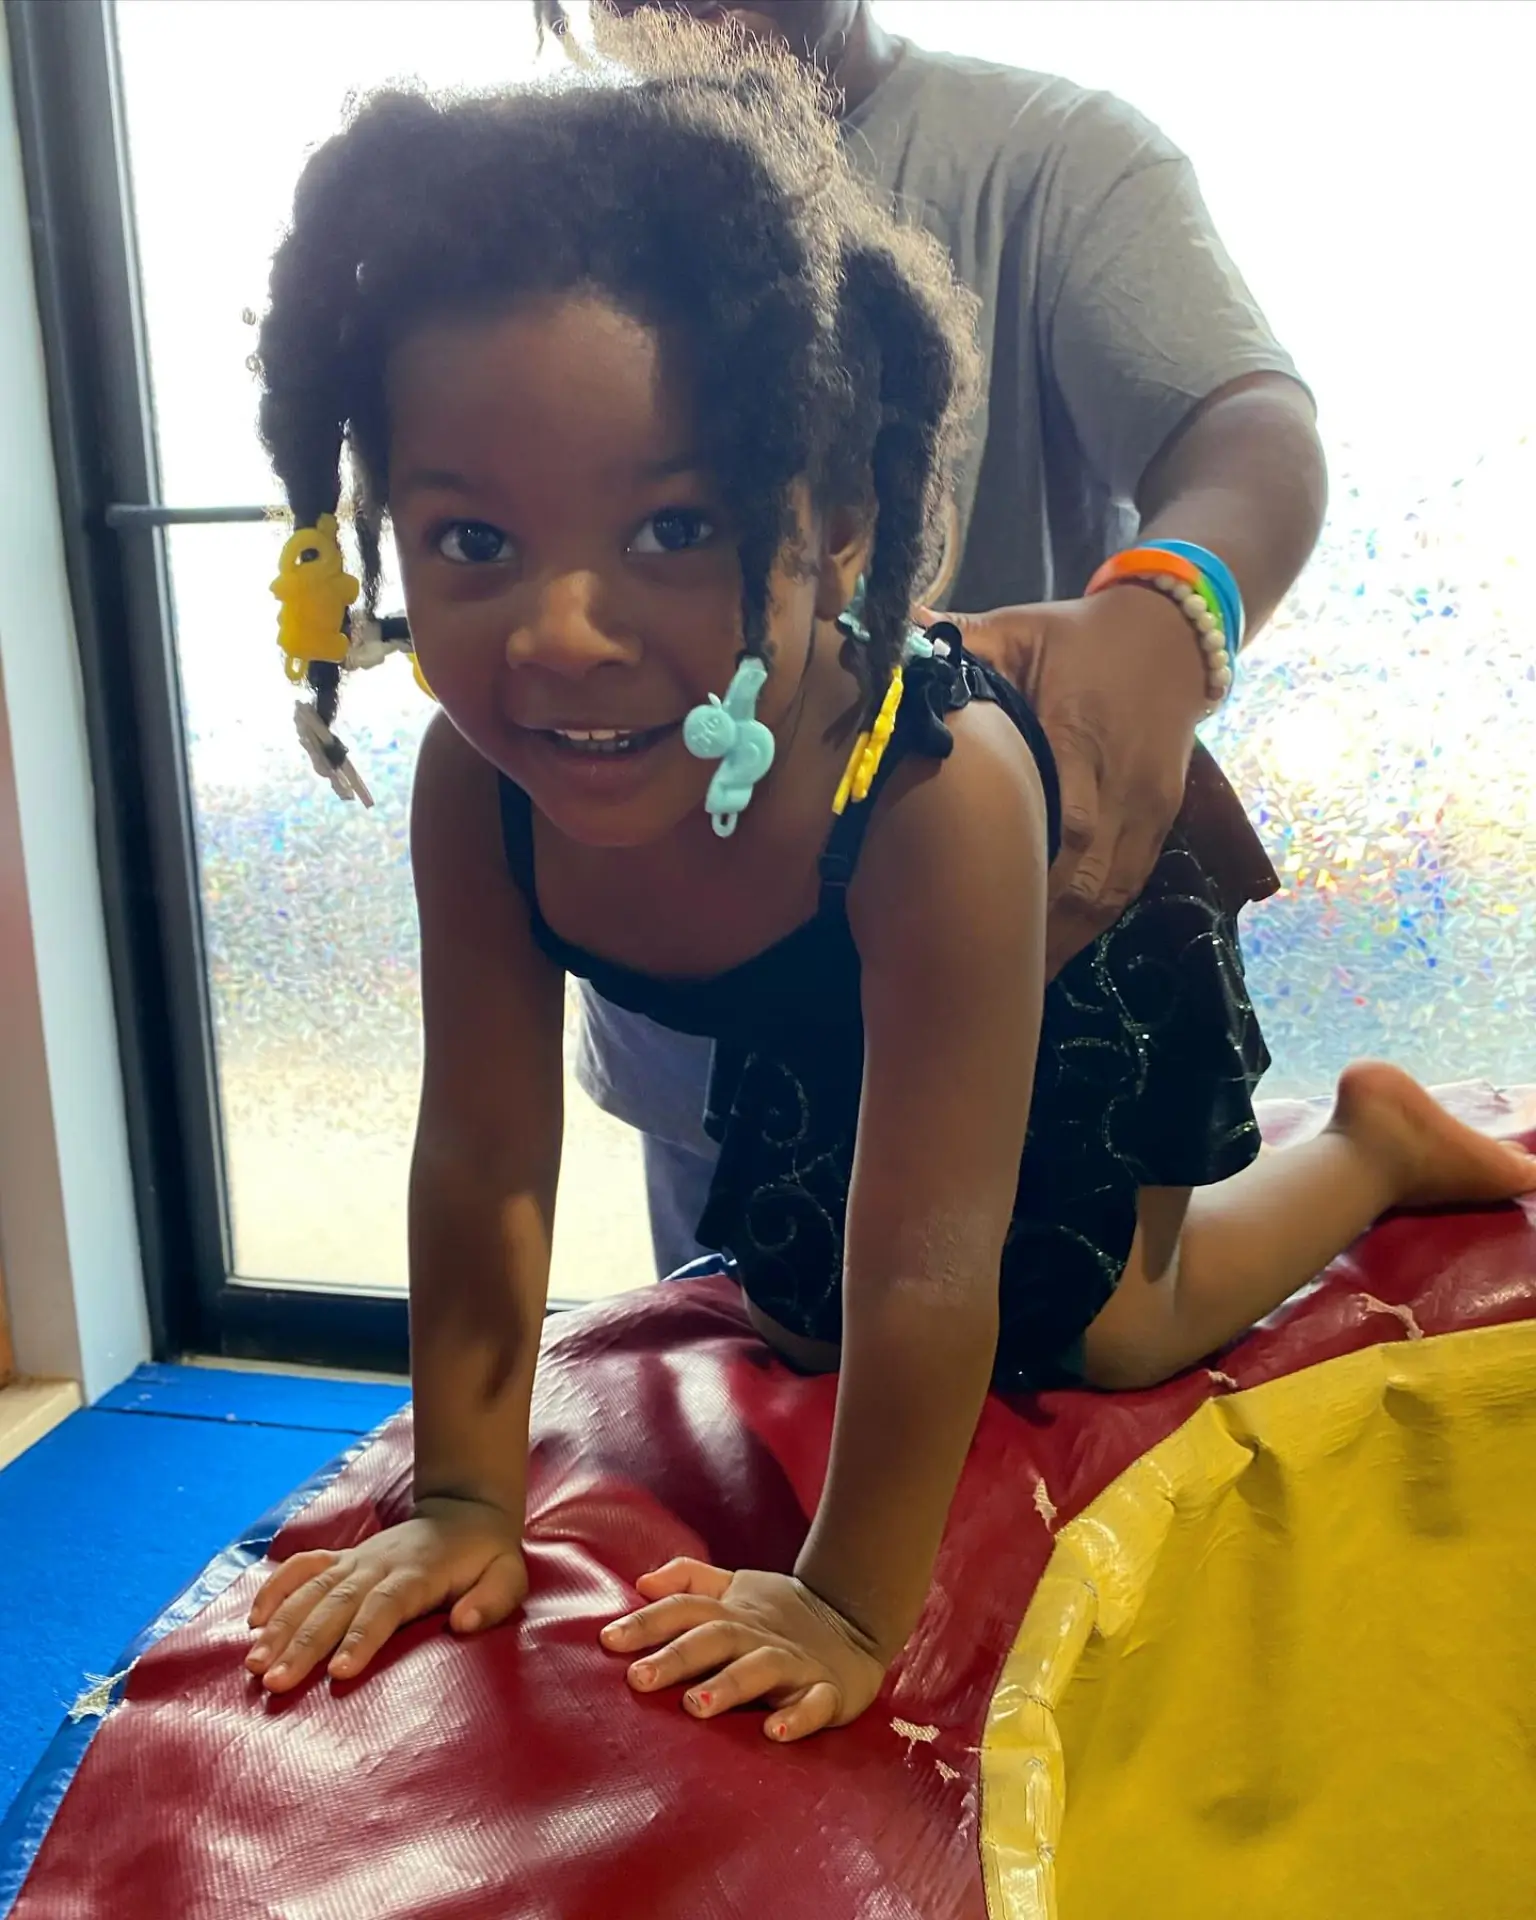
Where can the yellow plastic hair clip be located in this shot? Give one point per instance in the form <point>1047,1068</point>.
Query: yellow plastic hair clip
<point>869,750</point>
<point>315,591</point>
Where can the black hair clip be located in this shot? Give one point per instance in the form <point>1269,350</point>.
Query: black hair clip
<point>937,684</point>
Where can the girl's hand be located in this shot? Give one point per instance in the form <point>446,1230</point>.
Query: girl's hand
<point>347,1604</point>
<point>749,1636</point>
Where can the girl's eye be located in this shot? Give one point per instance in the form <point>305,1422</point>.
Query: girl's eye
<point>473,543</point>
<point>673,530</point>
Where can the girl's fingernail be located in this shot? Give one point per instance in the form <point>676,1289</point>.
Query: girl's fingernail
<point>257,1658</point>
<point>778,1730</point>
<point>644,1673</point>
<point>698,1701</point>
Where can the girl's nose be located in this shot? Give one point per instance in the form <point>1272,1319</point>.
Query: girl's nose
<point>563,632</point>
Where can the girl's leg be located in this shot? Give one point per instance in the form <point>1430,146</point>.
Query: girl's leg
<point>1205,1266</point>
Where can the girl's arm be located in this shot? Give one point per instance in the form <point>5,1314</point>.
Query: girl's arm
<point>487,1158</point>
<point>949,910</point>
<point>482,1207</point>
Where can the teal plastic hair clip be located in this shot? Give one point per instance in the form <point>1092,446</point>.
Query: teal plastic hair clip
<point>916,646</point>
<point>729,731</point>
<point>851,620</point>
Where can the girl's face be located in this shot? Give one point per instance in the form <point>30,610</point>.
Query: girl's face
<point>571,581</point>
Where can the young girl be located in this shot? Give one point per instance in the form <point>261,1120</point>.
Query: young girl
<point>660,407</point>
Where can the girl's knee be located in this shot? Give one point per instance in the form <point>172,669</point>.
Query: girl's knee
<point>1137,1339</point>
<point>1118,1360</point>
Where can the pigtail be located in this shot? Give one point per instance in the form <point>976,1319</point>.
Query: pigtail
<point>923,381</point>
<point>315,327</point>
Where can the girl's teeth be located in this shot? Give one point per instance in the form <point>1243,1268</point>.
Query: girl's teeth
<point>599,739</point>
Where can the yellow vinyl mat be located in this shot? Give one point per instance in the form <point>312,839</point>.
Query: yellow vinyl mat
<point>1284,1668</point>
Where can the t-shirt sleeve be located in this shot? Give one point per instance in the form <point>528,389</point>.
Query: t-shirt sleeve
<point>1144,313</point>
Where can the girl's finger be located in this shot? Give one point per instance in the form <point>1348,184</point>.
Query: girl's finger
<point>816,1708</point>
<point>493,1596</point>
<point>397,1598</point>
<point>289,1577</point>
<point>274,1638</point>
<point>658,1623</point>
<point>762,1674</point>
<point>685,1576</point>
<point>316,1637</point>
<point>691,1654</point>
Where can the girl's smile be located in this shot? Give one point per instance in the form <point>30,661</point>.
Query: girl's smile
<point>611,765</point>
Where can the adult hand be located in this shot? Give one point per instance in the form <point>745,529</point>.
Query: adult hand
<point>1118,683</point>
<point>346,1604</point>
<point>749,1637</point>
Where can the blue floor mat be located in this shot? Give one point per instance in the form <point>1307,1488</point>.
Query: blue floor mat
<point>109,1516</point>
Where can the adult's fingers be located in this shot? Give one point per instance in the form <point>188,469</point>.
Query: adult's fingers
<point>684,1575</point>
<point>498,1591</point>
<point>762,1674</point>
<point>818,1707</point>
<point>1083,861</point>
<point>702,1649</point>
<point>288,1578</point>
<point>1134,858</point>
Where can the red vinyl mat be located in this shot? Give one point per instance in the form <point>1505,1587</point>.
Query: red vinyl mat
<point>516,1776</point>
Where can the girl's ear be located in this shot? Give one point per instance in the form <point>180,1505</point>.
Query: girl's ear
<point>847,541</point>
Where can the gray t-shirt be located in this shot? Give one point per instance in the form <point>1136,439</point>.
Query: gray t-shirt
<point>1109,306</point>
<point>1109,310</point>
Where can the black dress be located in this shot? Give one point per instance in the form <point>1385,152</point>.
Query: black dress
<point>1149,1054</point>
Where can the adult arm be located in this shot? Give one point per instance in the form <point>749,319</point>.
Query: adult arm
<point>1187,411</point>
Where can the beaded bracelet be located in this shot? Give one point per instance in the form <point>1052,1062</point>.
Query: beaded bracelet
<point>1218,576</point>
<point>1214,614</point>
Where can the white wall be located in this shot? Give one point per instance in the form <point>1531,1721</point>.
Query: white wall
<point>68,1237</point>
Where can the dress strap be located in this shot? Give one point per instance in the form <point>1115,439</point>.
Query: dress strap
<point>517,837</point>
<point>840,855</point>
<point>522,864</point>
<point>936,689</point>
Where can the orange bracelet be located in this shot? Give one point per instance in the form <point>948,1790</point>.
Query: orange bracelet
<point>1141,563</point>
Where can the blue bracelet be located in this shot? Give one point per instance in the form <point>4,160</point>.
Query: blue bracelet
<point>1223,585</point>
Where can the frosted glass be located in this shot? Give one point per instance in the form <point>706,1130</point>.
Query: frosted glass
<point>1383,730</point>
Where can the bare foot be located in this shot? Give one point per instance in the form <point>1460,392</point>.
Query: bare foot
<point>1430,1159</point>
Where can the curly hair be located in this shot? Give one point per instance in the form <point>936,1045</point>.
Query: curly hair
<point>696,182</point>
